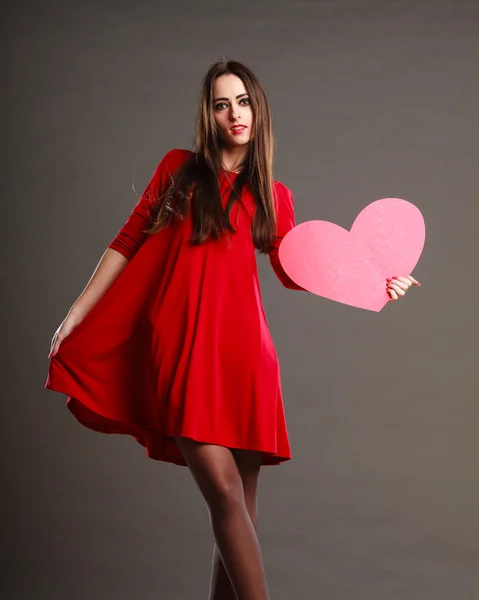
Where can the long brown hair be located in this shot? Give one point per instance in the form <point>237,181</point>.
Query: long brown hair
<point>196,182</point>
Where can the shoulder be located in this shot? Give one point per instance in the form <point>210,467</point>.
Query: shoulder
<point>280,188</point>
<point>282,192</point>
<point>175,158</point>
<point>168,166</point>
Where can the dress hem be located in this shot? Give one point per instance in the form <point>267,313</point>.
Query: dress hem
<point>159,445</point>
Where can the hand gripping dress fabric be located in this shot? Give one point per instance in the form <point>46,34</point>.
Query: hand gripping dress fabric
<point>179,345</point>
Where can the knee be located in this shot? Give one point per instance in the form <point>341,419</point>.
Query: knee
<point>225,496</point>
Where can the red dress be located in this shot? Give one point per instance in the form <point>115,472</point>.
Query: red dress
<point>179,344</point>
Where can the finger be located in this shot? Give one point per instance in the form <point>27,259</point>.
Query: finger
<point>56,345</point>
<point>409,279</point>
<point>401,282</point>
<point>52,345</point>
<point>401,278</point>
<point>396,288</point>
<point>398,285</point>
<point>393,295</point>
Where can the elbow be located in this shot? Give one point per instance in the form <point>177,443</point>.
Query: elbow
<point>285,279</point>
<point>291,285</point>
<point>128,250</point>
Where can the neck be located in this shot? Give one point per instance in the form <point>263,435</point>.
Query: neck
<point>232,158</point>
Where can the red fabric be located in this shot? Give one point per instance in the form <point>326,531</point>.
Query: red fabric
<point>179,344</point>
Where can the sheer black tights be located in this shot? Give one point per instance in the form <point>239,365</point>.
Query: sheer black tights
<point>228,481</point>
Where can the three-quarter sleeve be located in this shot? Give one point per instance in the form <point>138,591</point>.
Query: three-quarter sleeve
<point>285,221</point>
<point>130,237</point>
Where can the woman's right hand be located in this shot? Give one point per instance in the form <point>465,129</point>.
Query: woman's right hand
<point>66,327</point>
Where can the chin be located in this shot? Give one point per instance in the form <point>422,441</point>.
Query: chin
<point>237,143</point>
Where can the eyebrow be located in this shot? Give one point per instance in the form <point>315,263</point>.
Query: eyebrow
<point>240,96</point>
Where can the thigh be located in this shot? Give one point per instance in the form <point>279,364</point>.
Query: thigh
<point>215,471</point>
<point>249,464</point>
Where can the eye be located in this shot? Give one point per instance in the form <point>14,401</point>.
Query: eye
<point>247,100</point>
<point>219,105</point>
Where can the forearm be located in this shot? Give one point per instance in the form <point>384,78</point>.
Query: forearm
<point>282,275</point>
<point>105,274</point>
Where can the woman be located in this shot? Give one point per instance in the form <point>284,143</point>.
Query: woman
<point>177,351</point>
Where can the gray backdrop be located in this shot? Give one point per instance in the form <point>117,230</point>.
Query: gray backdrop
<point>370,99</point>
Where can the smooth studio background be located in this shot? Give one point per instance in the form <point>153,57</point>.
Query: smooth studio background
<point>370,99</point>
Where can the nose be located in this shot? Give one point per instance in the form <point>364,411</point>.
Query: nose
<point>233,113</point>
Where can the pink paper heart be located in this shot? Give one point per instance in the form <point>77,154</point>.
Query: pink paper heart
<point>386,239</point>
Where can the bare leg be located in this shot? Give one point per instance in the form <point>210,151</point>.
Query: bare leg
<point>217,475</point>
<point>249,464</point>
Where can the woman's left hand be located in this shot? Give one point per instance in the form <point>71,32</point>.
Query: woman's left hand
<point>398,286</point>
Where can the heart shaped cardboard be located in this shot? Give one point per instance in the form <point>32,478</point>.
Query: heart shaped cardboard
<point>386,239</point>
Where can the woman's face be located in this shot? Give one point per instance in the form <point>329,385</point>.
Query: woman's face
<point>232,111</point>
